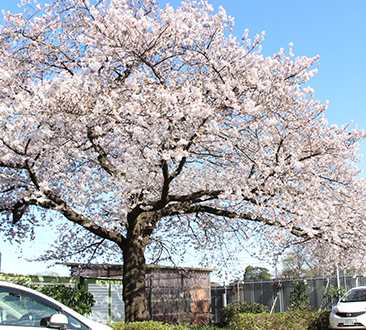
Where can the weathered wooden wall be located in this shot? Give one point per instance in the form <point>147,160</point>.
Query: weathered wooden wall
<point>179,295</point>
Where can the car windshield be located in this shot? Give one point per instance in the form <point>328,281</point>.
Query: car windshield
<point>354,295</point>
<point>25,309</point>
<point>19,309</point>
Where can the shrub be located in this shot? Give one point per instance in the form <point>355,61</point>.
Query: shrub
<point>291,320</point>
<point>78,300</point>
<point>322,320</point>
<point>205,327</point>
<point>153,325</point>
<point>250,321</point>
<point>117,325</point>
<point>299,300</point>
<point>145,325</point>
<point>237,307</point>
<point>332,294</point>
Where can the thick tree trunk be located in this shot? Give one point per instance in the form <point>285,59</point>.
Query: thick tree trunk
<point>134,292</point>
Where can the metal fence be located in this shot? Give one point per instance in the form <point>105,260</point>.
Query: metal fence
<point>275,293</point>
<point>109,305</point>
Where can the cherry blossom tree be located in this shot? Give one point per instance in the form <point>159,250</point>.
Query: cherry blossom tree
<point>147,128</point>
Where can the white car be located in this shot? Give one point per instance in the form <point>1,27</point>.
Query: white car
<point>24,308</point>
<point>350,312</point>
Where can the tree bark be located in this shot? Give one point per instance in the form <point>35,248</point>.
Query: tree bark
<point>134,282</point>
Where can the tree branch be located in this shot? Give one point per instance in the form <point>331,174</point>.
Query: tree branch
<point>102,155</point>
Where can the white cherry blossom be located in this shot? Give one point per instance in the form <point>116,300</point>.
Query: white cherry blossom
<point>138,130</point>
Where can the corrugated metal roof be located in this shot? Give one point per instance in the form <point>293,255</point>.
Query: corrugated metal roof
<point>148,267</point>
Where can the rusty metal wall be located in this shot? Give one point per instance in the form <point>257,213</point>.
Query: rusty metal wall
<point>179,296</point>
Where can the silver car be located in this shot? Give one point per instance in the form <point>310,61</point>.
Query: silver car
<point>24,308</point>
<point>350,312</point>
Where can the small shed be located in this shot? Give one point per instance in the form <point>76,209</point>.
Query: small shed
<point>175,294</point>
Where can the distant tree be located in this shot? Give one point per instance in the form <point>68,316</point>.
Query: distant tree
<point>299,262</point>
<point>47,273</point>
<point>293,265</point>
<point>256,273</point>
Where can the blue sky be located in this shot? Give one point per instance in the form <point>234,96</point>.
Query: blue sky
<point>333,29</point>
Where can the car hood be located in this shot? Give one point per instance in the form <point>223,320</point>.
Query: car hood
<point>91,324</point>
<point>351,307</point>
<point>96,326</point>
